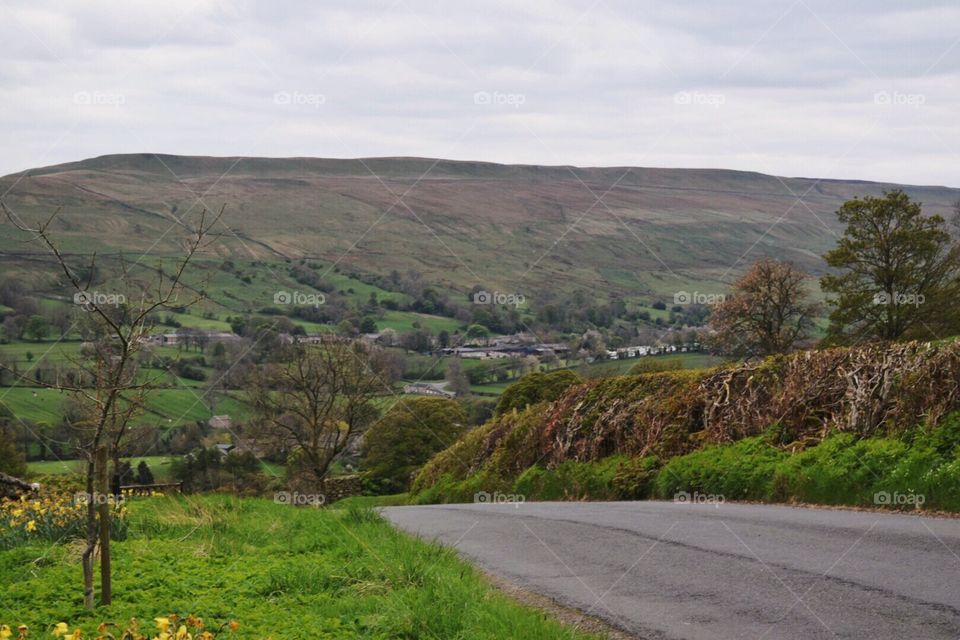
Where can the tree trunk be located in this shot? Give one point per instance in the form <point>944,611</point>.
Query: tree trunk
<point>87,558</point>
<point>103,506</point>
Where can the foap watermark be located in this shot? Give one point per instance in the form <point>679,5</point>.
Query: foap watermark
<point>84,498</point>
<point>684,497</point>
<point>686,297</point>
<point>499,99</point>
<point>897,499</point>
<point>300,299</point>
<point>702,98</point>
<point>899,99</point>
<point>516,499</point>
<point>299,98</point>
<point>90,299</point>
<point>899,299</point>
<point>99,99</point>
<point>297,499</point>
<point>486,297</point>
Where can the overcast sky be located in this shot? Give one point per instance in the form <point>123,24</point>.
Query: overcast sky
<point>864,89</point>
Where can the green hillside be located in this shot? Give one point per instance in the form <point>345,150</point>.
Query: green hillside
<point>514,228</point>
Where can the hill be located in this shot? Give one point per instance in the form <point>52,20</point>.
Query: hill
<point>633,232</point>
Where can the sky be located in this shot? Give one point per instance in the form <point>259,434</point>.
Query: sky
<point>862,89</point>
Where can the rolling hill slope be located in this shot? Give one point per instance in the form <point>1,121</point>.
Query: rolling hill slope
<point>635,232</point>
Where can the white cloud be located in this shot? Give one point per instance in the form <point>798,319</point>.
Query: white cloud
<point>794,85</point>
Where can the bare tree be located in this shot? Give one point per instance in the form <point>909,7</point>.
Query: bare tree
<point>109,388</point>
<point>769,311</point>
<point>317,402</point>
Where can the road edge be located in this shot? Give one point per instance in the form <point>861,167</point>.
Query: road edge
<point>567,616</point>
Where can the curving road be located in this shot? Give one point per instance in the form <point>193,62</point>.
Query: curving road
<point>665,570</point>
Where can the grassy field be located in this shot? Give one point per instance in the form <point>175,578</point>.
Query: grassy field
<point>674,360</point>
<point>278,571</point>
<point>165,407</point>
<point>403,321</point>
<point>159,465</point>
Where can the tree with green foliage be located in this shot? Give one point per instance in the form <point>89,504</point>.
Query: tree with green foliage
<point>406,437</point>
<point>536,387</point>
<point>12,461</point>
<point>899,272</point>
<point>477,332</point>
<point>144,475</point>
<point>37,328</point>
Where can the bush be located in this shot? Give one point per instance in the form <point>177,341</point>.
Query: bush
<point>570,480</point>
<point>406,437</point>
<point>536,387</point>
<point>634,477</point>
<point>740,471</point>
<point>12,461</point>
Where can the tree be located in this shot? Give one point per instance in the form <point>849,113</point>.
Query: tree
<point>899,272</point>
<point>406,437</point>
<point>318,401</point>
<point>456,380</point>
<point>368,325</point>
<point>478,332</point>
<point>769,311</point>
<point>110,391</point>
<point>144,475</point>
<point>37,328</point>
<point>12,461</point>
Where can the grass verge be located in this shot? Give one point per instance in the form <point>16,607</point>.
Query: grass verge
<point>279,571</point>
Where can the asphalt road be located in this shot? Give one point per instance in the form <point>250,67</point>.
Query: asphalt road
<point>665,570</point>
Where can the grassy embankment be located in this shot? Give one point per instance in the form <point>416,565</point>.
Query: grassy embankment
<point>795,429</point>
<point>278,571</point>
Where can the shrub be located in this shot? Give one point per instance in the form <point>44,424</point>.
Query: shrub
<point>740,471</point>
<point>406,437</point>
<point>12,461</point>
<point>536,387</point>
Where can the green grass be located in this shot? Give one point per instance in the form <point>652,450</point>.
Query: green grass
<point>39,405</point>
<point>403,321</point>
<point>279,571</point>
<point>164,407</point>
<point>50,350</point>
<point>370,502</point>
<point>922,466</point>
<point>159,465</point>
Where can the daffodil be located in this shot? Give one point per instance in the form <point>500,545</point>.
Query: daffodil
<point>31,526</point>
<point>182,633</point>
<point>162,624</point>
<point>61,629</point>
<point>5,632</point>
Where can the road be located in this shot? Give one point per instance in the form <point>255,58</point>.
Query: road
<point>666,570</point>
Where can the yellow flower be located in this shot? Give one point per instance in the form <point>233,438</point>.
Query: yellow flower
<point>61,629</point>
<point>162,624</point>
<point>182,633</point>
<point>5,632</point>
<point>76,635</point>
<point>31,526</point>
